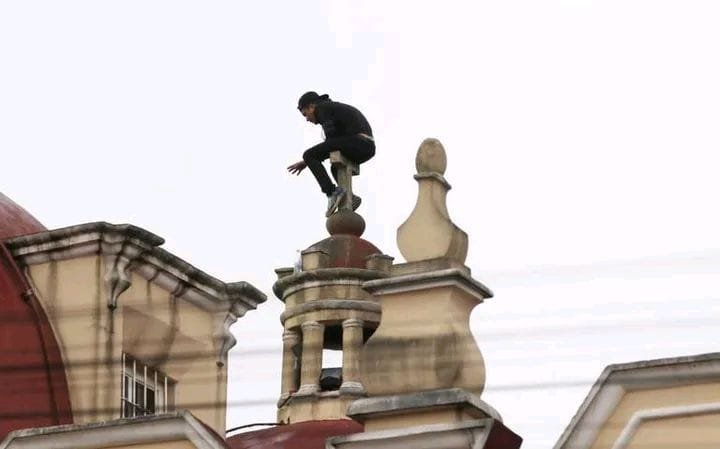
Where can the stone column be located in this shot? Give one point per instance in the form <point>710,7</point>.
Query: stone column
<point>290,339</point>
<point>352,343</point>
<point>312,333</point>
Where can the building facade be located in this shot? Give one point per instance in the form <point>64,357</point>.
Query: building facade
<point>102,325</point>
<point>671,402</point>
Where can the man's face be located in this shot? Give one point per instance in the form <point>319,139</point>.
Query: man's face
<point>309,113</point>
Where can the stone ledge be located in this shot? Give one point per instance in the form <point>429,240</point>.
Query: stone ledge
<point>369,305</point>
<point>432,279</point>
<point>404,403</point>
<point>128,249</point>
<point>147,430</point>
<point>330,275</point>
<point>140,247</point>
<point>428,265</point>
<point>476,434</point>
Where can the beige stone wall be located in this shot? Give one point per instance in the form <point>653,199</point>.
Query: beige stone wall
<point>413,350</point>
<point>696,432</point>
<point>685,432</point>
<point>314,409</point>
<point>176,337</point>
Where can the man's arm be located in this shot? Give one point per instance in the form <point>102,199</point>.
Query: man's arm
<point>297,167</point>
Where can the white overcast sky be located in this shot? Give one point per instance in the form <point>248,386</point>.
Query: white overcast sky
<point>582,139</point>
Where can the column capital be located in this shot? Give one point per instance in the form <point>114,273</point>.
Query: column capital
<point>290,335</point>
<point>352,322</point>
<point>308,325</point>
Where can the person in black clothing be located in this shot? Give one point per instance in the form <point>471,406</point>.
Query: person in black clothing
<point>346,129</point>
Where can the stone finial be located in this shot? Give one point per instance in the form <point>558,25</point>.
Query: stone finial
<point>345,222</point>
<point>431,157</point>
<point>429,232</point>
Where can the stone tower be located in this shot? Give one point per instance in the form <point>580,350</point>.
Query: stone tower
<point>327,312</point>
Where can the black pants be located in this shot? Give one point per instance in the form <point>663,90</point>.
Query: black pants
<point>356,148</point>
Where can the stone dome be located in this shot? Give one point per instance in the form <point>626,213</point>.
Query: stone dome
<point>15,221</point>
<point>345,250</point>
<point>33,386</point>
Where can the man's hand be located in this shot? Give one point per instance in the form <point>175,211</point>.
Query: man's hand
<point>297,167</point>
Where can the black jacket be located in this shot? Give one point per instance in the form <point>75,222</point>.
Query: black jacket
<point>340,120</point>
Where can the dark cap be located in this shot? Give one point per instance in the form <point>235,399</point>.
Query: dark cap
<point>311,97</point>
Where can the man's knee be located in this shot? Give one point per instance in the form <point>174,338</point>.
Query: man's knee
<point>313,154</point>
<point>307,155</point>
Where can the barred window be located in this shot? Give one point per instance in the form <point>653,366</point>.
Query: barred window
<point>144,390</point>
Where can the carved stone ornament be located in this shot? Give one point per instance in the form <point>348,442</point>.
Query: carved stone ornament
<point>429,233</point>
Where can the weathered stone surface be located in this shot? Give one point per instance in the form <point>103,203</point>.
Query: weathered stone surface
<point>345,222</point>
<point>326,308</point>
<point>395,404</point>
<point>429,232</point>
<point>431,157</point>
<point>487,433</point>
<point>424,340</point>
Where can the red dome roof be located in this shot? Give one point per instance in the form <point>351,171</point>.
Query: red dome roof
<point>15,221</point>
<point>345,250</point>
<point>33,387</point>
<point>303,435</point>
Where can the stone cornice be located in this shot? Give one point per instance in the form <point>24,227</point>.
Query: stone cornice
<point>129,249</point>
<point>361,409</point>
<point>616,380</point>
<point>321,277</point>
<point>330,304</point>
<point>153,429</point>
<point>432,279</point>
<point>141,249</point>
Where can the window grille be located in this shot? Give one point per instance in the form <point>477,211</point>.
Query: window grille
<point>144,390</point>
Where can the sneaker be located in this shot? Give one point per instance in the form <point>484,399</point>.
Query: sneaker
<point>334,200</point>
<point>356,202</point>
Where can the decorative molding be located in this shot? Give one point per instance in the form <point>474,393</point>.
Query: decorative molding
<point>433,279</point>
<point>641,416</point>
<point>226,338</point>
<point>352,388</point>
<point>323,277</point>
<point>290,337</point>
<point>433,399</point>
<point>308,326</point>
<point>323,283</point>
<point>304,390</point>
<point>120,432</point>
<point>353,322</point>
<point>470,435</point>
<point>127,249</point>
<point>368,305</point>
<point>117,273</point>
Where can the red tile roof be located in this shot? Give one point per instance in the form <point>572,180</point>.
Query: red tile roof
<point>304,435</point>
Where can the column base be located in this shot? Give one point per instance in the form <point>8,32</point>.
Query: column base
<point>352,388</point>
<point>308,390</point>
<point>283,399</point>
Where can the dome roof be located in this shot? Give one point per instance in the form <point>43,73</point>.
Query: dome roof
<point>33,386</point>
<point>345,250</point>
<point>15,221</point>
<point>303,435</point>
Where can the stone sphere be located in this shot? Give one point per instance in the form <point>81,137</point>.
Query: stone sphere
<point>431,157</point>
<point>345,222</point>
